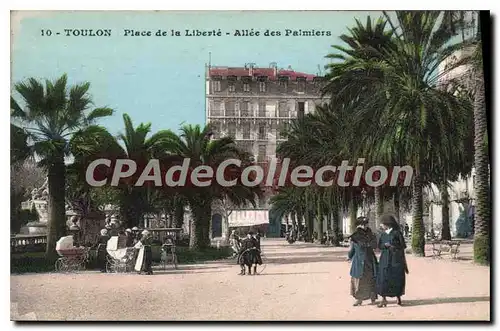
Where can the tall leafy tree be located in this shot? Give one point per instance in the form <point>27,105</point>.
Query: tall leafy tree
<point>136,144</point>
<point>408,118</point>
<point>195,143</point>
<point>49,115</point>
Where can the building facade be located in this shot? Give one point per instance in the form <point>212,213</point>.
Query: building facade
<point>255,106</point>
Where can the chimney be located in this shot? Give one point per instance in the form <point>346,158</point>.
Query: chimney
<point>250,68</point>
<point>274,65</point>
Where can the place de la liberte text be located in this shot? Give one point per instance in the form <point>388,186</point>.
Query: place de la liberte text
<point>186,33</point>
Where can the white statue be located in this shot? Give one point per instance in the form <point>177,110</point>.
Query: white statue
<point>41,193</point>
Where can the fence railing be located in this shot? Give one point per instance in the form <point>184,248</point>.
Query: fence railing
<point>28,243</point>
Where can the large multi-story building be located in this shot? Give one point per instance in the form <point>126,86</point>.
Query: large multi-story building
<point>254,106</point>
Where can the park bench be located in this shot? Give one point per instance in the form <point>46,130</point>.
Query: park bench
<point>440,246</point>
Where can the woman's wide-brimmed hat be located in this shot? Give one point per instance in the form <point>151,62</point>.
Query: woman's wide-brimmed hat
<point>104,232</point>
<point>135,228</point>
<point>388,220</point>
<point>362,221</point>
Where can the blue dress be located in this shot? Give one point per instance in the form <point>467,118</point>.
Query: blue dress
<point>391,279</point>
<point>363,268</point>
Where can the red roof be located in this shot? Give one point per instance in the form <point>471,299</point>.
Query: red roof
<point>268,72</point>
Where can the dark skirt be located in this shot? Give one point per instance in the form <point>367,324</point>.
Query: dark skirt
<point>364,288</point>
<point>250,257</point>
<point>391,281</point>
<point>102,257</point>
<point>147,263</point>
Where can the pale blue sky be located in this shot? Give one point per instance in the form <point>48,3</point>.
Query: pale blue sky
<point>161,79</point>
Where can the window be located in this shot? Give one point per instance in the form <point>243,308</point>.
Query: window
<point>231,130</point>
<point>216,109</point>
<point>246,87</point>
<point>216,85</point>
<point>262,109</point>
<point>262,86</point>
<point>301,110</point>
<point>231,83</point>
<point>230,108</point>
<point>245,107</point>
<point>301,85</point>
<point>283,111</point>
<point>246,130</point>
<point>283,81</point>
<point>262,131</point>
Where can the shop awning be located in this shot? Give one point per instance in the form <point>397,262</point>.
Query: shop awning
<point>248,218</point>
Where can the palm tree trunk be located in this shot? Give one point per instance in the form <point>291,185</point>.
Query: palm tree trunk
<point>397,205</point>
<point>318,224</point>
<point>300,217</point>
<point>179,216</point>
<point>56,205</point>
<point>310,224</point>
<point>200,223</point>
<point>293,217</point>
<point>353,213</point>
<point>418,229</point>
<point>379,205</point>
<point>482,184</point>
<point>335,225</point>
<point>445,212</point>
<point>131,207</point>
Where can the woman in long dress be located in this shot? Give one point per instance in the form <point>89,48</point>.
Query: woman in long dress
<point>391,279</point>
<point>144,260</point>
<point>364,263</point>
<point>102,254</point>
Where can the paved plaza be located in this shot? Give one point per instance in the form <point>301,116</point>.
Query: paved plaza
<point>300,282</point>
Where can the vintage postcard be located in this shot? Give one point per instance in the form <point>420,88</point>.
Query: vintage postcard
<point>250,165</point>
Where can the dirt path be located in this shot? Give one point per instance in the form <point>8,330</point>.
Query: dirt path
<point>300,282</point>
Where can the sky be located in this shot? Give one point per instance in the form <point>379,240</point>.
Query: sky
<point>161,79</point>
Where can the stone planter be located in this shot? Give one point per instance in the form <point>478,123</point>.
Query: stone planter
<point>34,228</point>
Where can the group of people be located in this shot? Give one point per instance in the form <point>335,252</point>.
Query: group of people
<point>133,238</point>
<point>371,278</point>
<point>247,250</point>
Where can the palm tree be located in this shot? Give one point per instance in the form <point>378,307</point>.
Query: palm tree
<point>194,143</point>
<point>352,80</point>
<point>408,119</point>
<point>49,116</point>
<point>133,144</point>
<point>471,81</point>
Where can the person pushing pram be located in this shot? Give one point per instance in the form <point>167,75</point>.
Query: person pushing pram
<point>249,254</point>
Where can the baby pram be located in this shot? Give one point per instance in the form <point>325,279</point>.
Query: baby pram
<point>121,258</point>
<point>168,254</point>
<point>71,258</point>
